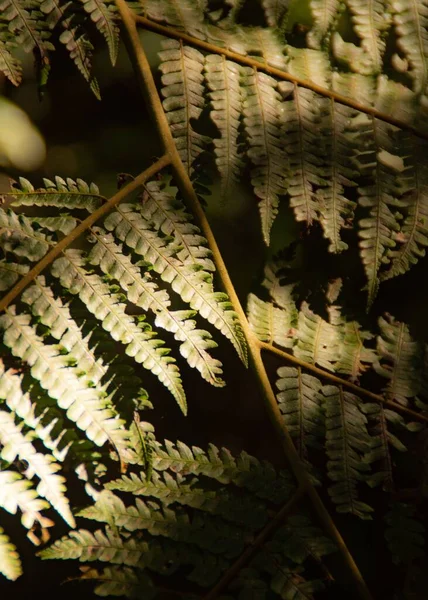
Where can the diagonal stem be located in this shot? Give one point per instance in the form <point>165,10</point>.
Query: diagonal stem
<point>154,105</point>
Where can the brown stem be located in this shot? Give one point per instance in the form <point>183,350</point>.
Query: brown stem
<point>154,105</point>
<point>81,228</point>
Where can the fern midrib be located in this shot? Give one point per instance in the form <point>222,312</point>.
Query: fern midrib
<point>389,481</point>
<point>52,192</point>
<point>104,10</point>
<point>267,199</point>
<point>357,355</point>
<point>397,358</point>
<point>335,169</point>
<point>375,52</point>
<point>301,447</point>
<point>302,151</point>
<point>346,446</point>
<point>189,129</point>
<point>416,205</point>
<point>271,322</point>
<point>179,13</point>
<point>36,41</point>
<point>8,60</point>
<point>177,232</point>
<point>414,8</point>
<point>317,336</point>
<point>228,128</point>
<point>373,279</point>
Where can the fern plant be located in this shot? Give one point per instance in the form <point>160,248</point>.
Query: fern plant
<point>323,111</point>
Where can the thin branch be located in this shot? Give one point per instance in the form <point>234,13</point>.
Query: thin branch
<point>81,228</point>
<point>254,547</point>
<point>154,105</point>
<point>150,25</point>
<point>360,391</point>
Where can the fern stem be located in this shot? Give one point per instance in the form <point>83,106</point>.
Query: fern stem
<point>169,32</point>
<point>81,228</point>
<point>154,105</point>
<point>360,391</point>
<point>254,546</point>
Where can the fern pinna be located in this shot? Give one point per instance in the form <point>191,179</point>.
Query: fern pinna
<point>102,296</point>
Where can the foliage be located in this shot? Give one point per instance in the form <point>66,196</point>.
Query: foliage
<point>324,110</point>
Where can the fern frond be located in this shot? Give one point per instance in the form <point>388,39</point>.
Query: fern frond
<point>411,22</point>
<point>347,443</point>
<point>222,78</point>
<point>372,21</point>
<point>325,13</point>
<point>26,21</point>
<point>102,13</point>
<point>143,292</point>
<point>354,357</point>
<point>10,563</point>
<point>106,307</point>
<point>262,109</point>
<point>46,422</point>
<point>318,341</point>
<point>63,223</point>
<point>88,546</point>
<point>312,65</point>
<point>412,238</point>
<point>16,494</point>
<point>19,238</point>
<point>281,294</point>
<point>10,273</point>
<point>264,44</point>
<point>54,314</point>
<point>241,509</point>
<point>300,125</point>
<point>182,80</point>
<point>80,49</point>
<point>300,540</point>
<point>74,35</point>
<point>167,214</point>
<point>377,230</point>
<point>218,463</point>
<point>339,172</point>
<point>275,12</point>
<point>351,56</point>
<point>400,360</point>
<point>404,534</point>
<point>189,281</point>
<point>17,445</point>
<point>186,15</point>
<point>60,193</point>
<point>9,65</point>
<point>269,323</point>
<point>86,406</point>
<point>118,581</point>
<point>300,405</point>
<point>382,420</point>
<point>174,524</point>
